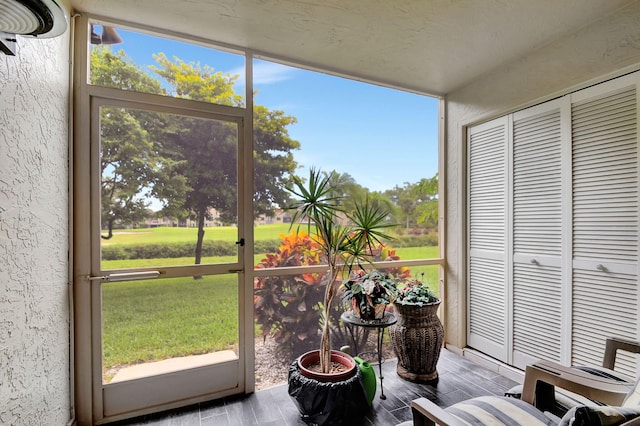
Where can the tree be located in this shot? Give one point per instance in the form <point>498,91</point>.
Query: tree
<point>208,149</point>
<point>127,167</point>
<point>418,202</point>
<point>274,165</point>
<point>404,198</point>
<point>427,210</point>
<point>119,71</point>
<point>345,187</point>
<point>188,164</point>
<point>382,201</point>
<point>129,164</point>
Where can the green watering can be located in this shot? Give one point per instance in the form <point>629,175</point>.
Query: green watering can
<point>368,378</point>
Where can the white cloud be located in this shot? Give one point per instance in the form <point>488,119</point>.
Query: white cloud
<point>269,72</point>
<point>265,73</point>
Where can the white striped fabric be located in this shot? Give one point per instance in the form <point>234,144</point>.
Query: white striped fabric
<point>498,411</point>
<point>633,398</point>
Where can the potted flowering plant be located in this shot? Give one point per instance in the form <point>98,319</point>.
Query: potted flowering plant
<point>369,293</point>
<point>418,334</point>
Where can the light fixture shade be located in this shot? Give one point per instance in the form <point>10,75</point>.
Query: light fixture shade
<point>34,18</point>
<point>110,36</point>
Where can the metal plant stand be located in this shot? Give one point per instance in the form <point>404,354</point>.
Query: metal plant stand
<point>380,325</point>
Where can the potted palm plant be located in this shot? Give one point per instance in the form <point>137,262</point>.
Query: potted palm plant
<point>346,239</point>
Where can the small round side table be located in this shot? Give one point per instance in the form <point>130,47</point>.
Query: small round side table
<point>380,325</point>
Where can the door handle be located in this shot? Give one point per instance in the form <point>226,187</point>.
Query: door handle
<point>126,276</point>
<point>240,242</point>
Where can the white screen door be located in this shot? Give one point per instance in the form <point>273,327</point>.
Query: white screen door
<point>167,247</point>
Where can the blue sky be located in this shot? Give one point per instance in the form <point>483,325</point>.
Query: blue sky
<point>380,136</point>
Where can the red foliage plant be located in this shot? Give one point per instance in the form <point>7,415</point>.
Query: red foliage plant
<point>290,307</point>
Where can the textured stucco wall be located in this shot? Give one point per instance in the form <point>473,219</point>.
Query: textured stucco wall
<point>609,47</point>
<point>34,232</point>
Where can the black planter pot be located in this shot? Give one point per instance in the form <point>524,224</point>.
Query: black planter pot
<point>328,402</point>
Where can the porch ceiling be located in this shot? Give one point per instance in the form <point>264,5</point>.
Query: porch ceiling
<point>430,46</point>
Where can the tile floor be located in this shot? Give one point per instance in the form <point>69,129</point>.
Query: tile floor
<point>460,379</point>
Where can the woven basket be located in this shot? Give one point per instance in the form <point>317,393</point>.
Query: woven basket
<point>417,339</point>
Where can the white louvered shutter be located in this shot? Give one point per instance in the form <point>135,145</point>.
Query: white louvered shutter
<point>487,192</point>
<point>537,234</point>
<point>605,220</point>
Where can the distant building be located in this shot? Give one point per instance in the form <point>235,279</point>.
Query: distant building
<point>154,222</point>
<point>279,216</point>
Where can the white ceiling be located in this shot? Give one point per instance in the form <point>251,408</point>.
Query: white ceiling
<point>430,46</point>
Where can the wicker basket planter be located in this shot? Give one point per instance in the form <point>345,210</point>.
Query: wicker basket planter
<point>417,339</point>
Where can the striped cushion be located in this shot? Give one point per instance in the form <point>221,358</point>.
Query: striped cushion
<point>633,397</point>
<point>498,411</point>
<point>565,400</point>
<point>598,416</point>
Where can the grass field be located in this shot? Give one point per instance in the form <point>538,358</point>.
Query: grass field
<point>157,319</point>
<point>163,234</point>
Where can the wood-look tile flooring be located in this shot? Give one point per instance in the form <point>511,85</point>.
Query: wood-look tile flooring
<point>460,379</point>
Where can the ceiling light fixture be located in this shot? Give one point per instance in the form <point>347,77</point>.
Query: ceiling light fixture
<point>29,18</point>
<point>109,36</point>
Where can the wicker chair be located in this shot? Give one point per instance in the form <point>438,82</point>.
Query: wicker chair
<point>619,399</point>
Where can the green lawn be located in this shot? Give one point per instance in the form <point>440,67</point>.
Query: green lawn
<point>157,319</point>
<point>163,318</point>
<point>219,233</point>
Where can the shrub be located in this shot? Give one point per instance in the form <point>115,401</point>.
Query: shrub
<point>430,239</point>
<point>289,308</point>
<point>226,248</point>
<point>113,253</point>
<point>180,249</point>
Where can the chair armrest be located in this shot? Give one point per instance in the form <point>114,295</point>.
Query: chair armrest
<point>634,422</point>
<point>426,413</point>
<point>614,344</point>
<point>607,391</point>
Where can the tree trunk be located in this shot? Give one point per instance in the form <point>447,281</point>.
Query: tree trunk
<point>201,215</point>
<point>325,342</point>
<point>110,226</point>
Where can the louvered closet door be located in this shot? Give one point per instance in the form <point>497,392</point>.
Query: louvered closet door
<point>605,219</point>
<point>487,201</point>
<point>537,234</point>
